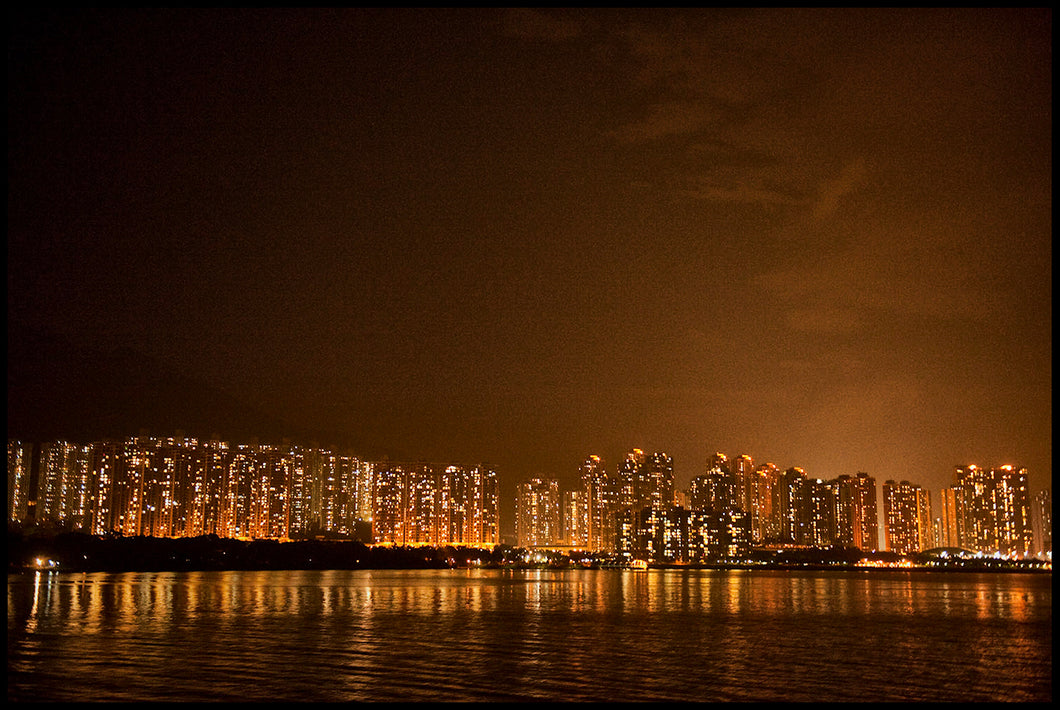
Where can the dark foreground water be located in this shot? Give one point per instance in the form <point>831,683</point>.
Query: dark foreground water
<point>529,635</point>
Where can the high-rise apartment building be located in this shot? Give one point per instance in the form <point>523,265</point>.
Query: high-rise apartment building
<point>950,528</point>
<point>390,503</point>
<point>786,511</point>
<point>423,505</point>
<point>19,470</point>
<point>715,490</point>
<point>1042,522</point>
<point>576,518</point>
<point>742,468</point>
<point>1015,529</point>
<point>907,514</point>
<point>924,523</point>
<point>633,480</point>
<point>481,525</point>
<point>538,517</point>
<point>994,509</point>
<point>658,491</point>
<point>760,483</point>
<point>856,516</point>
<point>815,502</point>
<point>601,502</point>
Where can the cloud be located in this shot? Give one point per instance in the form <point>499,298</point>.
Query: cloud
<point>663,120</point>
<point>742,192</point>
<point>832,191</point>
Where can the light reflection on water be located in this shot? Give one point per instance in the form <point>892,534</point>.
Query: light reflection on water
<point>530,635</point>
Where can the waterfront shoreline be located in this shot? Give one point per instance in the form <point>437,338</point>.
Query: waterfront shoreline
<point>79,553</point>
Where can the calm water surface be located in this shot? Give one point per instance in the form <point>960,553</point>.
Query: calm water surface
<point>529,635</point>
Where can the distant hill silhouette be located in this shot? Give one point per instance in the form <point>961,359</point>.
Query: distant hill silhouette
<point>57,390</point>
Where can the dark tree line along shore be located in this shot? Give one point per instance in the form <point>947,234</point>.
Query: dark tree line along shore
<point>79,552</point>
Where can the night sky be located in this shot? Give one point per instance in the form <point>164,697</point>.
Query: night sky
<point>821,238</point>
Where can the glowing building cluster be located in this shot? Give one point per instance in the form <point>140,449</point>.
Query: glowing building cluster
<point>634,512</point>
<point>181,487</point>
<point>735,506</point>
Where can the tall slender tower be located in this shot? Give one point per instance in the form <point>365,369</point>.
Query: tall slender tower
<point>786,495</point>
<point>743,471</point>
<point>19,463</point>
<point>600,503</point>
<point>659,493</point>
<point>1042,519</point>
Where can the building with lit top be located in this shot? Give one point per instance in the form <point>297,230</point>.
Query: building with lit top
<point>742,468</point>
<point>993,510</point>
<point>715,490</point>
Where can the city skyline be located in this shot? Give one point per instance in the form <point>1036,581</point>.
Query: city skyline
<point>523,236</point>
<point>182,486</point>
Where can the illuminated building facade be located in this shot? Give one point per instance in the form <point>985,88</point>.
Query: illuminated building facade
<point>680,535</point>
<point>856,516</point>
<point>424,505</point>
<point>1042,522</point>
<point>815,500</point>
<point>742,468</point>
<point>52,467</point>
<point>715,490</point>
<point>660,534</point>
<point>658,484</point>
<point>600,502</point>
<point>950,527</point>
<point>632,480</point>
<point>994,509</point>
<point>712,527</point>
<point>469,506</point>
<point>432,504</point>
<point>925,527</point>
<point>180,487</point>
<point>646,522</point>
<point>786,491</point>
<point>538,517</point>
<point>760,484</point>
<point>908,519</point>
<point>19,469</point>
<point>576,518</point>
<point>390,504</point>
